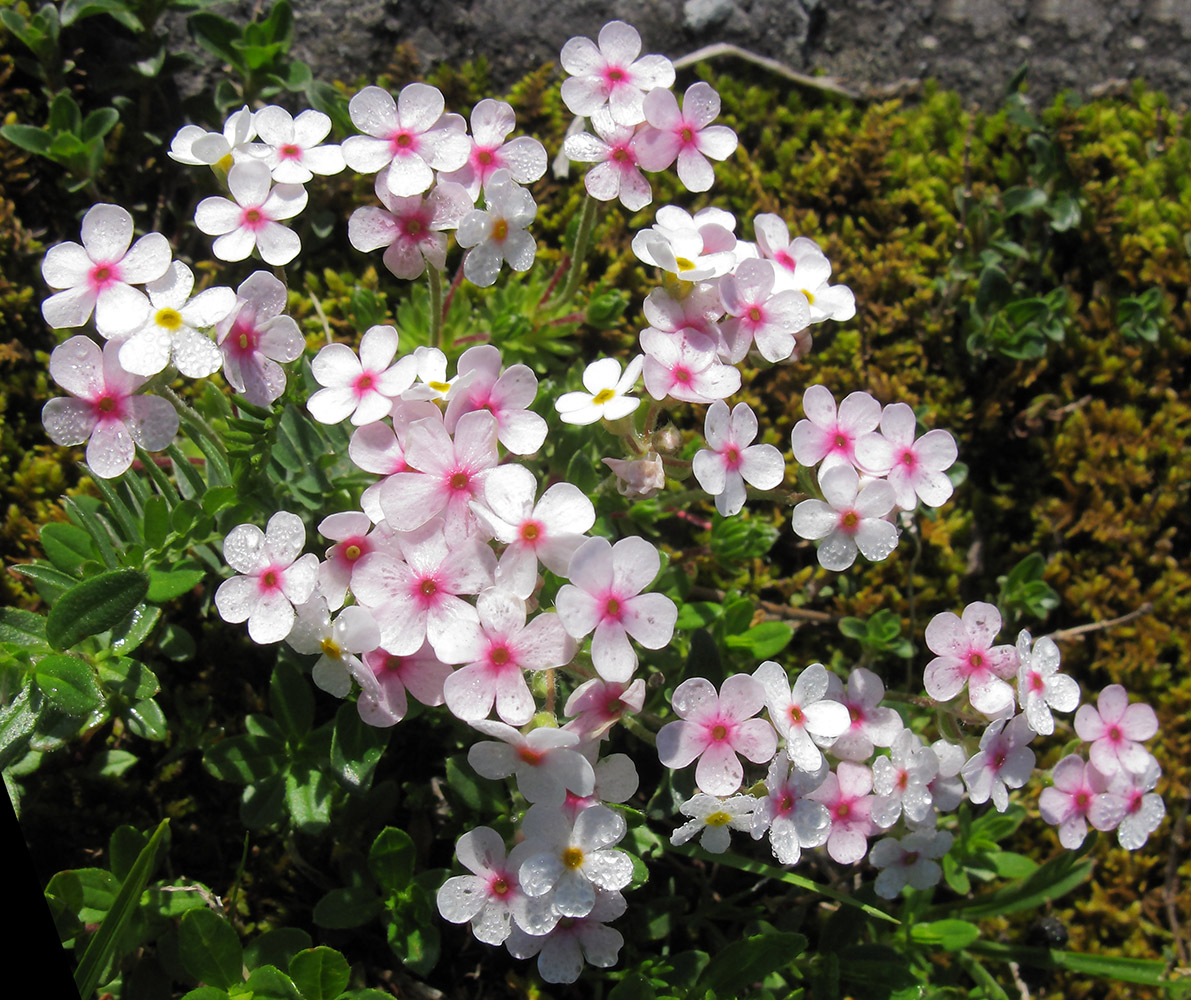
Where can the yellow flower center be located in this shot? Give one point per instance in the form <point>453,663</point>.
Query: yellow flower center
<point>719,818</point>
<point>170,319</point>
<point>572,857</point>
<point>603,396</point>
<point>331,648</point>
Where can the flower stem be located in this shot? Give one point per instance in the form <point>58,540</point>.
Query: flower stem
<point>436,306</point>
<point>582,237</point>
<point>192,419</point>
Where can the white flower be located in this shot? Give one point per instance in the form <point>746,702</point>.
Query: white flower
<point>714,817</point>
<point>850,520</point>
<point>497,234</point>
<point>98,276</point>
<point>340,642</point>
<point>291,147</point>
<point>911,860</point>
<point>613,150</point>
<point>902,780</point>
<point>605,398</point>
<point>196,146</point>
<point>172,332</point>
<point>524,157</point>
<point>363,387</point>
<point>251,222</point>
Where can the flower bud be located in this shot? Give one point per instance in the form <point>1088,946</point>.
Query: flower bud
<point>638,478</point>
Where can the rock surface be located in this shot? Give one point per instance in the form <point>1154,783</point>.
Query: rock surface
<point>871,46</point>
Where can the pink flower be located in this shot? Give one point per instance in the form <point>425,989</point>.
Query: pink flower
<point>597,705</point>
<point>275,576</point>
<point>612,74</point>
<point>871,725</point>
<point>1077,798</point>
<point>444,475</point>
<point>379,448</point>
<point>98,276</point>
<point>418,598</point>
<point>1143,808</point>
<point>686,368</point>
<point>548,532</point>
<point>491,897</point>
<point>827,437</point>
<point>545,762</point>
<point>794,820</point>
<point>775,322</point>
<point>802,715</point>
<point>498,650</point>
<point>916,468</point>
<point>845,793</point>
<point>564,947</point>
<point>687,135</point>
<point>411,228</point>
<point>387,677</point>
<point>1004,761</point>
<point>251,222</point>
<point>613,150</point>
<point>803,267</point>
<point>902,781</point>
<point>254,336</point>
<point>733,460</point>
<point>604,597</point>
<point>350,532</point>
<point>507,395</point>
<point>851,519</point>
<point>965,654</point>
<point>291,147</point>
<point>912,861</point>
<point>1115,729</point>
<point>363,388</point>
<point>524,157</point>
<point>102,409</point>
<point>411,136</point>
<point>1040,686</point>
<point>714,729</point>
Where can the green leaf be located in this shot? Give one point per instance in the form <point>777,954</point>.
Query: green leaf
<point>23,628</point>
<point>308,798</point>
<point>95,605</point>
<point>67,546</point>
<point>356,749</point>
<point>950,935</point>
<point>291,701</point>
<point>1064,213</point>
<point>76,10</point>
<point>992,290</point>
<point>65,115</point>
<point>347,907</point>
<point>1054,879</point>
<point>99,123</point>
<point>216,35</point>
<point>209,949</point>
<point>102,946</point>
<point>276,947</point>
<point>165,585</point>
<point>391,859</point>
<point>146,720</point>
<point>633,986</point>
<point>763,640</point>
<point>28,137</point>
<point>746,961</point>
<point>269,983</point>
<point>124,845</point>
<point>1127,970</point>
<point>134,629</point>
<point>320,973</point>
<point>50,583</point>
<point>112,763</point>
<point>69,683</point>
<point>246,759</point>
<point>1022,199</point>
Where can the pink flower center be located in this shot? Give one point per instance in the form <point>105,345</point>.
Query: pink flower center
<point>500,886</point>
<point>271,579</point>
<point>998,759</point>
<point>1082,800</point>
<point>682,375</point>
<point>393,664</point>
<point>243,338</point>
<point>1134,802</point>
<point>686,134</point>
<point>500,230</point>
<point>1115,734</point>
<point>785,804</point>
<point>910,858</point>
<point>613,706</point>
<point>785,260</point>
<point>108,407</point>
<point>1037,684</point>
<point>976,661</point>
<point>530,757</point>
<point>531,531</point>
<point>903,780</point>
<point>849,522</point>
<point>622,156</point>
<point>614,76</point>
<point>856,713</point>
<point>253,218</point>
<point>796,714</point>
<point>908,460</point>
<point>428,587</point>
<point>352,549</point>
<point>290,151</point>
<point>499,656</point>
<point>732,457</point>
<point>719,733</point>
<point>612,608</point>
<point>843,810</point>
<point>103,276</point>
<point>754,314</point>
<point>841,440</point>
<point>402,142</point>
<point>459,481</point>
<point>365,383</point>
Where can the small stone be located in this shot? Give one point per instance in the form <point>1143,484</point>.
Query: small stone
<point>700,14</point>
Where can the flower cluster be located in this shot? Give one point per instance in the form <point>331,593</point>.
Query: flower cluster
<point>823,790</point>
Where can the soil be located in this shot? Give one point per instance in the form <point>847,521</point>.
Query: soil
<point>874,47</point>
